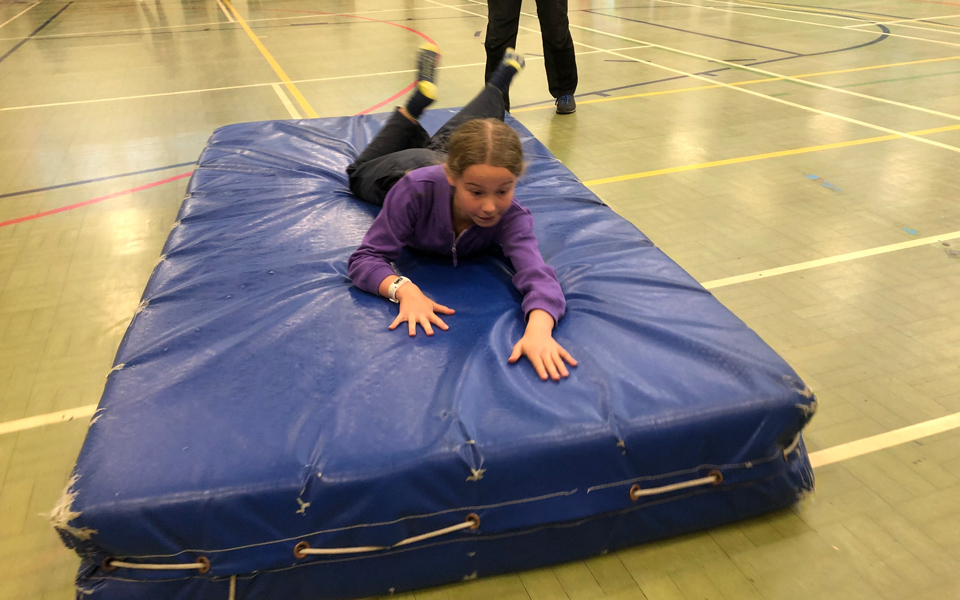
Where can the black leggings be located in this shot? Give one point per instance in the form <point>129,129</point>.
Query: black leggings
<point>403,145</point>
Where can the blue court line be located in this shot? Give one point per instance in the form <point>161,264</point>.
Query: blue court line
<point>35,32</point>
<point>883,36</point>
<point>716,37</point>
<point>63,185</point>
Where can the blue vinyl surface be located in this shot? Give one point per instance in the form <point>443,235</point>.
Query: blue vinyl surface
<point>259,399</point>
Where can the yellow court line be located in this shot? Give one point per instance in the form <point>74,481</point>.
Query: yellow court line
<point>830,260</point>
<point>307,109</point>
<point>750,82</point>
<point>751,158</point>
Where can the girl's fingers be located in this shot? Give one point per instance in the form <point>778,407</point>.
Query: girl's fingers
<point>443,309</point>
<point>516,354</point>
<point>396,322</point>
<point>425,323</point>
<point>412,326</point>
<point>438,322</point>
<point>559,364</point>
<point>566,356</point>
<point>538,365</point>
<point>551,368</point>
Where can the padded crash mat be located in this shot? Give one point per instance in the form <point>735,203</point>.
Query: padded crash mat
<point>264,435</point>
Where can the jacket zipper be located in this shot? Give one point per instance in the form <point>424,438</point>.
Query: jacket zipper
<point>456,238</point>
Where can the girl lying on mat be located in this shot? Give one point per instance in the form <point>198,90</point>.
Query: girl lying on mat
<point>453,194</point>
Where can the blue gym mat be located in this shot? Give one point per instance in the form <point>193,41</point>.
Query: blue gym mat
<point>264,435</point>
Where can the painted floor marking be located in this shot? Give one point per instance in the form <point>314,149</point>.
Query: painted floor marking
<point>735,83</point>
<point>775,75</point>
<point>33,34</point>
<point>61,209</point>
<point>830,260</point>
<point>884,440</point>
<point>63,416</point>
<point>909,21</point>
<point>258,85</point>
<point>291,109</point>
<point>729,86</point>
<point>812,23</point>
<point>212,23</point>
<point>226,12</point>
<point>766,96</point>
<point>291,87</point>
<point>14,17</point>
<point>95,180</point>
<point>764,156</point>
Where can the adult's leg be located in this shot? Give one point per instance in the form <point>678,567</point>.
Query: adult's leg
<point>503,22</point>
<point>488,104</point>
<point>559,55</point>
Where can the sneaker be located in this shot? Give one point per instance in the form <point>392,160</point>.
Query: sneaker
<point>514,59</point>
<point>566,105</point>
<point>428,62</point>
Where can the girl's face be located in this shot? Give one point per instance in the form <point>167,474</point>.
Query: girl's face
<point>482,194</point>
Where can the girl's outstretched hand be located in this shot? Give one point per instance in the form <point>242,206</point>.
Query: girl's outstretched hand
<point>543,352</point>
<point>416,308</point>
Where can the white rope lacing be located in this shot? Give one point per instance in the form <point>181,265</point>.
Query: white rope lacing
<point>713,478</point>
<point>202,565</point>
<point>303,549</point>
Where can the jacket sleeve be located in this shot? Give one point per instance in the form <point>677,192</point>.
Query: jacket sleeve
<point>534,279</point>
<point>393,227</point>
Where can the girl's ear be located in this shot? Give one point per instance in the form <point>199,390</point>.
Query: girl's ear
<point>450,178</point>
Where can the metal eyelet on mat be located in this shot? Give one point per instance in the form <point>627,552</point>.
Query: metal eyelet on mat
<point>203,560</point>
<point>107,566</point>
<point>298,550</point>
<point>475,519</point>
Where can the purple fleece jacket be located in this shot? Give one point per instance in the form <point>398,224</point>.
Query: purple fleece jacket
<point>417,213</point>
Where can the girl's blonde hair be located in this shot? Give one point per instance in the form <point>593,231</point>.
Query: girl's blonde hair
<point>484,142</point>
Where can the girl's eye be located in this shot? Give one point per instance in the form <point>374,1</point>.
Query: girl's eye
<point>475,193</point>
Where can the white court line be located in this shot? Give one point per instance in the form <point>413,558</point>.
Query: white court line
<point>256,85</point>
<point>908,21</point>
<point>264,19</point>
<point>12,19</point>
<point>830,260</point>
<point>749,14</point>
<point>799,81</point>
<point>744,90</point>
<point>291,109</point>
<point>225,12</point>
<point>768,74</point>
<point>48,419</point>
<point>884,440</point>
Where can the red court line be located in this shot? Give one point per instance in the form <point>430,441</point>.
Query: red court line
<point>326,14</point>
<point>388,100</point>
<point>933,2</point>
<point>95,200</point>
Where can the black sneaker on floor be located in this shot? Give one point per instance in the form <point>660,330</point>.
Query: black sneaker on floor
<point>566,105</point>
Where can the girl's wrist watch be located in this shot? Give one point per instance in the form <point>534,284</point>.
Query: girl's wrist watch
<point>392,290</point>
